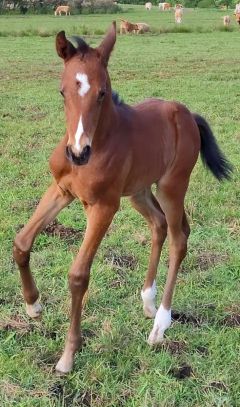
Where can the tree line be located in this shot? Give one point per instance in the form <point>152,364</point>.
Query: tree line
<point>95,6</point>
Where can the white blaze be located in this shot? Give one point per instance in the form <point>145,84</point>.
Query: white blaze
<point>78,134</point>
<point>83,79</point>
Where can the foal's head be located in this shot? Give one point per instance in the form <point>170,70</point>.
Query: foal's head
<point>86,88</point>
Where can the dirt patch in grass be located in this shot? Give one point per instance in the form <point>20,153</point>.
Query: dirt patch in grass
<point>202,350</point>
<point>83,399</point>
<point>56,390</point>
<point>120,261</point>
<point>56,229</point>
<point>186,318</point>
<point>181,372</point>
<point>217,385</point>
<point>67,233</point>
<point>207,259</point>
<point>173,347</point>
<point>49,334</point>
<point>231,320</point>
<point>17,324</point>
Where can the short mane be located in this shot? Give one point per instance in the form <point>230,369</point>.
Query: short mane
<point>82,46</point>
<point>116,99</point>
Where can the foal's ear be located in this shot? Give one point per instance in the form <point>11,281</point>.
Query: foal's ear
<point>106,46</point>
<point>64,47</point>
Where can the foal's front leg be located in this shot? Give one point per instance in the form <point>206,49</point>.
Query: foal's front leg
<point>50,205</point>
<point>99,217</point>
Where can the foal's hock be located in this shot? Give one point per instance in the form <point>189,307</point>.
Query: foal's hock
<point>112,150</point>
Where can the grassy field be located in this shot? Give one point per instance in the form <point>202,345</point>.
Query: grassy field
<point>199,363</point>
<point>198,20</point>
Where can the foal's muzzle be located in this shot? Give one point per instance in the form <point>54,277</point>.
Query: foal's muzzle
<point>82,158</point>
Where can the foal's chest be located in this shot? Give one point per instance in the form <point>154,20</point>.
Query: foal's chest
<point>89,182</point>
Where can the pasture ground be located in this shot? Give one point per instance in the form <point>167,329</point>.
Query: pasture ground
<point>199,363</point>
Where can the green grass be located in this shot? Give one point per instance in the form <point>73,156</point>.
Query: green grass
<point>116,367</point>
<point>198,20</point>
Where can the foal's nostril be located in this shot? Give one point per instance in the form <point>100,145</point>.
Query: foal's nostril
<point>86,152</point>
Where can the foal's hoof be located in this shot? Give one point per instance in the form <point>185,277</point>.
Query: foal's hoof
<point>155,337</point>
<point>149,312</point>
<point>34,310</point>
<point>64,365</point>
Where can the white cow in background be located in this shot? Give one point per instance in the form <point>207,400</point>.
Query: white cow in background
<point>148,5</point>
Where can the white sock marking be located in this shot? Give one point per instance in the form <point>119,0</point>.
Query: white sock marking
<point>83,79</point>
<point>162,321</point>
<point>148,297</point>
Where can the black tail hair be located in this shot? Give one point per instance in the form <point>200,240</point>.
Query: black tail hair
<point>211,154</point>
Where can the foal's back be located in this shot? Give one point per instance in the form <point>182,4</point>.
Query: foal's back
<point>157,141</point>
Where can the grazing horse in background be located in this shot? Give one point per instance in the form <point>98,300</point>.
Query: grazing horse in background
<point>237,15</point>
<point>127,27</point>
<point>111,150</point>
<point>148,6</point>
<point>178,6</point>
<point>226,21</point>
<point>178,15</point>
<point>64,9</point>
<point>142,28</point>
<point>164,6</point>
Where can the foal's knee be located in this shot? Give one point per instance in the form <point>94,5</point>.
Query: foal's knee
<point>79,279</point>
<point>21,253</point>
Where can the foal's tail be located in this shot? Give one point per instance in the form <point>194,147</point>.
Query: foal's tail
<point>211,154</point>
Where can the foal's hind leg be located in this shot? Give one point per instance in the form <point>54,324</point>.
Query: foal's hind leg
<point>171,199</point>
<point>50,205</point>
<point>147,205</point>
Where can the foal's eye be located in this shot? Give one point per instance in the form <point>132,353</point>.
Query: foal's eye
<point>101,95</point>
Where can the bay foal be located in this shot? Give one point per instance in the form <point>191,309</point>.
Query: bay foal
<point>111,150</point>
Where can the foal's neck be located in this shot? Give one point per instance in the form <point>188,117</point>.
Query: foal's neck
<point>107,120</point>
